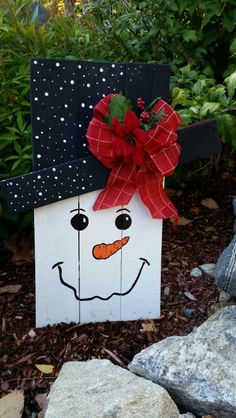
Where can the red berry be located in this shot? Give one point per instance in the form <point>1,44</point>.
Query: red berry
<point>140,103</point>
<point>145,117</point>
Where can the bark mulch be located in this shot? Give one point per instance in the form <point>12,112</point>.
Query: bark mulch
<point>184,247</point>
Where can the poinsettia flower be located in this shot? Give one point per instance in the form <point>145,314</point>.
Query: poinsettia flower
<point>129,139</point>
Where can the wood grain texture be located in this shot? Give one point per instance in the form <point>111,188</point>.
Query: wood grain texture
<point>55,241</point>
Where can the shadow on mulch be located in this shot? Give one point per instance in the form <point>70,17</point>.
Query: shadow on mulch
<point>184,247</point>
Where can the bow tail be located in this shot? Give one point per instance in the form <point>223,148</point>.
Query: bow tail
<point>153,195</point>
<point>119,189</point>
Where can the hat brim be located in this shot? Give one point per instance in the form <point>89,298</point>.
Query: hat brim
<point>49,185</point>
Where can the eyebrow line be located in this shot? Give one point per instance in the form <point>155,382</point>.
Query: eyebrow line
<point>76,210</point>
<point>119,210</point>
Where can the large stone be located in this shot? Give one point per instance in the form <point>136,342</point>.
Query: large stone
<point>225,270</point>
<point>199,370</point>
<point>97,388</point>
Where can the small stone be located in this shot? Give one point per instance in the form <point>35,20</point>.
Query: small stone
<point>32,333</point>
<point>196,272</point>
<point>189,313</point>
<point>208,268</point>
<point>166,291</point>
<point>187,415</point>
<point>224,296</point>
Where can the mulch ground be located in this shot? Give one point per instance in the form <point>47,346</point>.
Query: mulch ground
<point>184,247</point>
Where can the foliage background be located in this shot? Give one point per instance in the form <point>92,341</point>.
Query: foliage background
<point>197,38</point>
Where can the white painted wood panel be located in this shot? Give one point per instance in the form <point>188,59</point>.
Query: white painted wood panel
<point>134,270</point>
<point>56,241</point>
<point>99,277</point>
<point>145,244</point>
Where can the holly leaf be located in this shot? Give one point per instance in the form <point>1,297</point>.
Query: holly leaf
<point>152,104</point>
<point>118,107</point>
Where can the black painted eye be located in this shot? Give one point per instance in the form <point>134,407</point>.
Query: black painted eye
<point>123,221</point>
<point>79,221</point>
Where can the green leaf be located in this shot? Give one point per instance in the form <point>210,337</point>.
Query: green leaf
<point>198,87</point>
<point>20,122</point>
<point>17,147</point>
<point>209,107</point>
<point>34,15</point>
<point>229,23</point>
<point>8,136</point>
<point>179,96</point>
<point>3,145</point>
<point>231,83</point>
<point>232,47</point>
<point>15,165</point>
<point>118,108</point>
<point>190,35</point>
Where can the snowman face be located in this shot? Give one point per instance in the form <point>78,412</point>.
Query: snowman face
<point>103,250</point>
<point>103,265</point>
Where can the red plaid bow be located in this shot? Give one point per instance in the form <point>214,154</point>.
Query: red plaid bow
<point>138,159</point>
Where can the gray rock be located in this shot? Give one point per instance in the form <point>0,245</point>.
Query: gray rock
<point>234,204</point>
<point>187,415</point>
<point>98,389</point>
<point>225,270</point>
<point>199,370</point>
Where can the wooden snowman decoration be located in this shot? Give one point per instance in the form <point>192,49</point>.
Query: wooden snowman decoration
<point>98,215</point>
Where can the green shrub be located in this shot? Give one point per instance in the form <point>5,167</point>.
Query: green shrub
<point>198,40</point>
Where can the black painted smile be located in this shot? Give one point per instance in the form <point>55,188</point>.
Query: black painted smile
<point>58,265</point>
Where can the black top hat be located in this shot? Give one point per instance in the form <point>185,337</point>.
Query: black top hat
<point>63,94</point>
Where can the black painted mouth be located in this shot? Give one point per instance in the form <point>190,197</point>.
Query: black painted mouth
<point>58,265</point>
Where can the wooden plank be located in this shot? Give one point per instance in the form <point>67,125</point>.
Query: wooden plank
<point>56,242</point>
<point>99,277</point>
<point>200,140</point>
<point>54,111</point>
<point>142,256</point>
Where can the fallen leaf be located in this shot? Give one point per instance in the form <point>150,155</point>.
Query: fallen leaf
<point>210,229</point>
<point>190,296</point>
<point>11,288</point>
<point>149,326</point>
<point>195,210</point>
<point>11,405</point>
<point>183,221</point>
<point>209,203</point>
<point>45,368</point>
<point>21,247</point>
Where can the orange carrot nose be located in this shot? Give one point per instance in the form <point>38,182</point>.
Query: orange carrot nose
<point>103,251</point>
